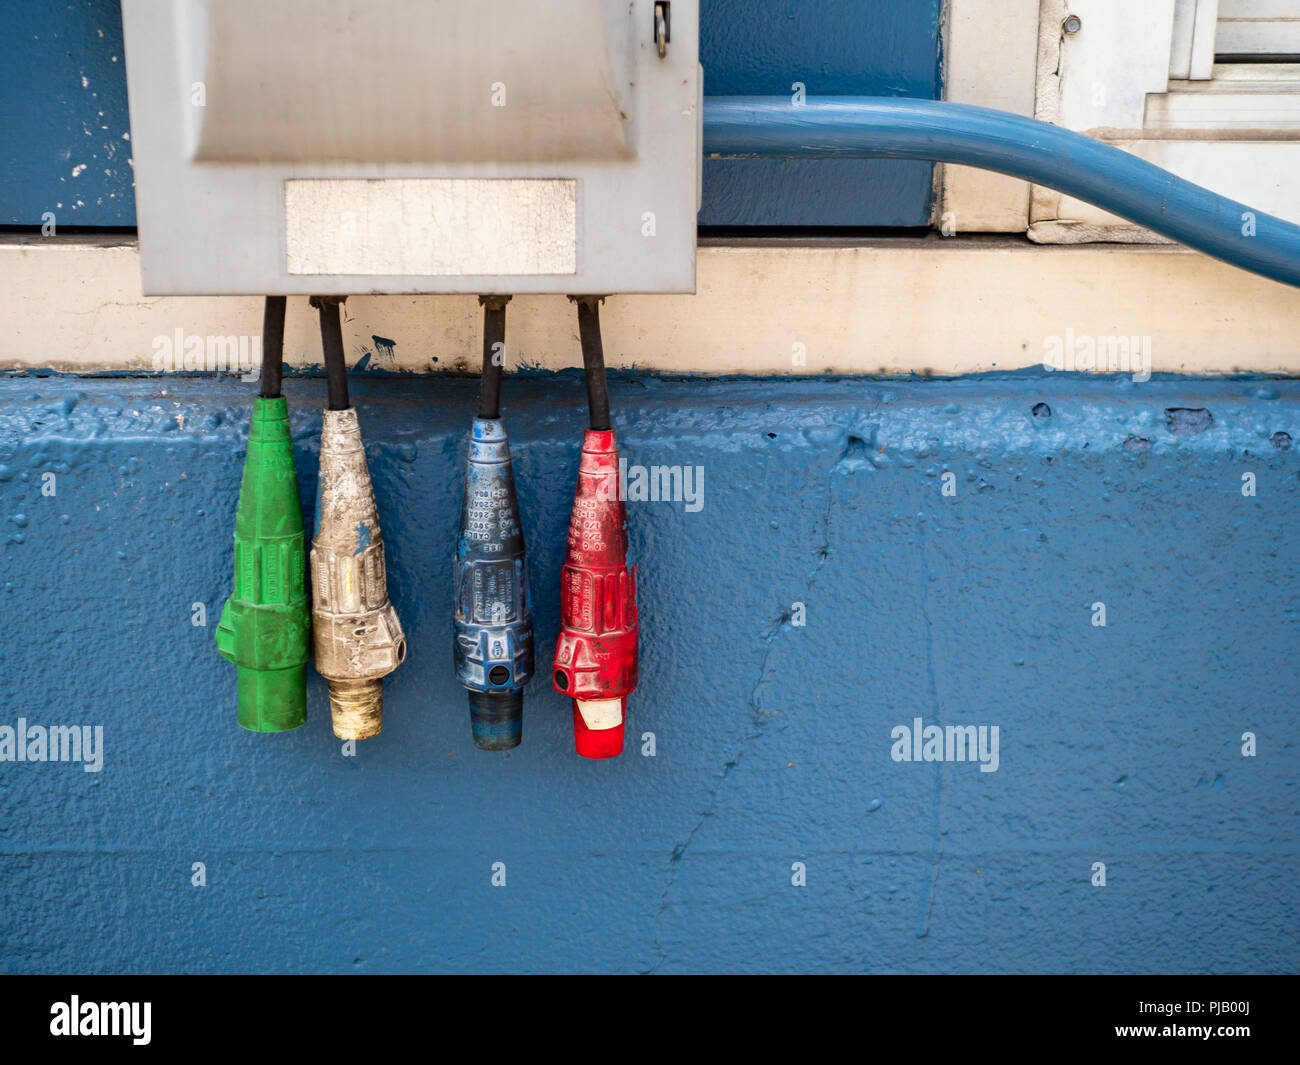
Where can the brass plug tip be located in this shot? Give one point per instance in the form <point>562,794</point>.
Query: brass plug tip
<point>357,708</point>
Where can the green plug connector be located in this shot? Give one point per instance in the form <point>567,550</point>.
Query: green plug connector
<point>265,627</point>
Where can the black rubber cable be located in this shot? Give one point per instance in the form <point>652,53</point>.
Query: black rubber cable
<point>273,346</point>
<point>331,338</point>
<point>593,360</point>
<point>494,355</point>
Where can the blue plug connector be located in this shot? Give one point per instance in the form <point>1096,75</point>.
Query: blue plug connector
<point>494,618</point>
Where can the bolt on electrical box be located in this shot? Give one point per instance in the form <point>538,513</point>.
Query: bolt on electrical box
<point>400,146</point>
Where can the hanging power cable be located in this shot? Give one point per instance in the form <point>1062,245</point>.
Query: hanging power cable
<point>596,654</point>
<point>357,635</point>
<point>493,628</point>
<point>494,347</point>
<point>265,625</point>
<point>593,359</point>
<point>331,338</point>
<point>273,346</point>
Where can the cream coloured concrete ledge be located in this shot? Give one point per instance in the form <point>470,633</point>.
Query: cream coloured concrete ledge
<point>764,306</point>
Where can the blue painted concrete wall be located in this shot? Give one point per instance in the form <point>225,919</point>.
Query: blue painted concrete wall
<point>64,127</point>
<point>63,87</point>
<point>1119,744</point>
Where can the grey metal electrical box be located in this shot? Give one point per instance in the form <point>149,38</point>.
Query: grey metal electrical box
<point>352,146</point>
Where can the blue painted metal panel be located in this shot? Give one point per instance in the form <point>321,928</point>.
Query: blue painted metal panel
<point>64,147</point>
<point>63,84</point>
<point>834,47</point>
<point>1118,744</point>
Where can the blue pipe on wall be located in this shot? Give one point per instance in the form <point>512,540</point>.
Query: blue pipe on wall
<point>880,127</point>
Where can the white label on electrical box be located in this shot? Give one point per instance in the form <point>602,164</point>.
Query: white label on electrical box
<point>448,227</point>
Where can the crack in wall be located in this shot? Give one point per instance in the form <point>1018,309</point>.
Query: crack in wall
<point>852,444</point>
<point>936,851</point>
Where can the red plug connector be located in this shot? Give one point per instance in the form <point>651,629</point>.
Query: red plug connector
<point>595,658</point>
